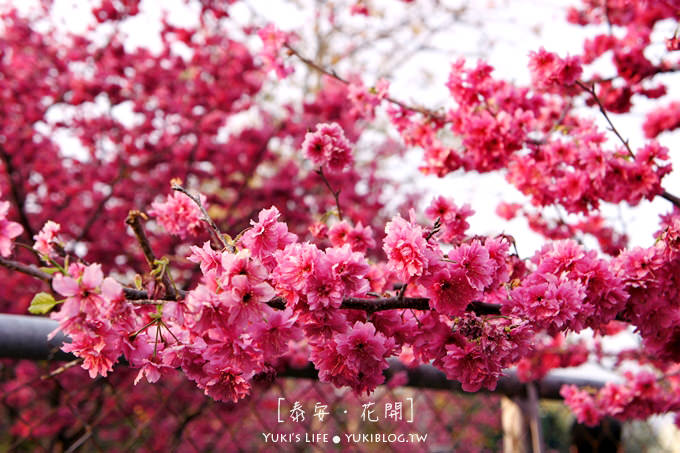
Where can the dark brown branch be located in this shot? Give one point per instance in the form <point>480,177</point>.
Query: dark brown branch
<point>483,308</point>
<point>134,219</point>
<point>130,293</point>
<point>672,198</point>
<point>352,303</point>
<point>389,303</point>
<point>395,303</point>
<point>142,296</point>
<point>25,269</point>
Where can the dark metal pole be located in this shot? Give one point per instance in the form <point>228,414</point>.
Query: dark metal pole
<point>25,337</point>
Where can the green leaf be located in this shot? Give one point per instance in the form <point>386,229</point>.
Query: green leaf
<point>138,281</point>
<point>50,270</point>
<point>42,303</point>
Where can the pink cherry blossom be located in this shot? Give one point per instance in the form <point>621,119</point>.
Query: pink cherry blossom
<point>273,41</point>
<point>179,215</point>
<point>359,237</point>
<point>404,246</point>
<point>452,218</point>
<point>44,240</point>
<point>473,261</point>
<point>582,404</point>
<point>266,236</point>
<point>328,147</point>
<point>8,230</point>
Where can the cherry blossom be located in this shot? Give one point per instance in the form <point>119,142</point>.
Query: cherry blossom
<point>8,230</point>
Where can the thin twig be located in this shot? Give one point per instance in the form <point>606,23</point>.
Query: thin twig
<point>336,193</point>
<point>402,291</point>
<point>62,368</point>
<point>435,229</point>
<point>331,73</point>
<point>130,293</point>
<point>591,90</point>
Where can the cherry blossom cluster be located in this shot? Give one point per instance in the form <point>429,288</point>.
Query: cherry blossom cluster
<point>228,329</point>
<point>95,315</point>
<point>642,395</point>
<point>327,147</point>
<point>648,276</point>
<point>365,100</point>
<point>496,120</point>
<point>474,351</point>
<point>665,118</point>
<point>451,217</point>
<point>568,289</point>
<point>273,41</point>
<point>178,215</point>
<point>256,302</point>
<point>358,237</point>
<point>47,238</point>
<point>8,230</point>
<point>635,69</point>
<point>551,73</point>
<point>550,353</point>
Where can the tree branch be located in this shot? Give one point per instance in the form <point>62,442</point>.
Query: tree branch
<point>352,303</point>
<point>395,303</point>
<point>672,198</point>
<point>591,90</point>
<point>25,269</point>
<point>135,222</point>
<point>130,293</point>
